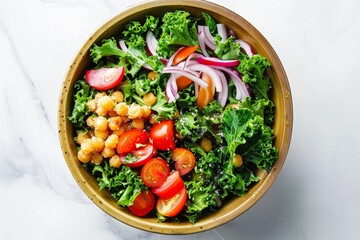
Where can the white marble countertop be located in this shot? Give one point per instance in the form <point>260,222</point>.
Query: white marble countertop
<point>317,194</point>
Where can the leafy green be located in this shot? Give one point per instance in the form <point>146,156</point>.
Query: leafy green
<point>253,73</point>
<point>83,93</point>
<point>123,183</point>
<point>163,109</point>
<point>107,48</point>
<point>210,22</point>
<point>136,28</point>
<point>178,28</point>
<point>229,49</point>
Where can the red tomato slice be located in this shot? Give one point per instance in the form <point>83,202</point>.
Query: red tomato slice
<point>162,135</point>
<point>170,207</point>
<point>128,140</point>
<point>143,155</point>
<point>184,53</point>
<point>104,78</point>
<point>184,160</point>
<point>143,204</point>
<point>173,184</point>
<point>155,172</point>
<point>205,95</point>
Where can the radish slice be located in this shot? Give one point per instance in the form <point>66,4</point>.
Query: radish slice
<point>209,71</point>
<point>151,42</point>
<point>218,62</point>
<point>222,31</point>
<point>104,78</point>
<point>247,48</point>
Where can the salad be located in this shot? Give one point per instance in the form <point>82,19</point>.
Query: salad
<point>174,116</point>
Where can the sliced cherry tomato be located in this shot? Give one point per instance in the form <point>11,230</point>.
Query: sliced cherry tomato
<point>183,82</point>
<point>155,172</point>
<point>128,140</point>
<point>184,160</point>
<point>142,155</point>
<point>205,95</point>
<point>162,135</point>
<point>143,203</point>
<point>104,78</point>
<point>173,184</point>
<point>184,53</point>
<point>170,207</point>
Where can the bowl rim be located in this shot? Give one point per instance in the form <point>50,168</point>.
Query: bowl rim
<point>175,228</point>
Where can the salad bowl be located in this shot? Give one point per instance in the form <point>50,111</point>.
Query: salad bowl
<point>282,125</point>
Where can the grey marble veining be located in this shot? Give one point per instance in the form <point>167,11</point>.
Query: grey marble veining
<point>315,197</point>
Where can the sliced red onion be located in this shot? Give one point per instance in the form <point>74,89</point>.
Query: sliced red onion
<point>209,39</point>
<point>212,61</point>
<point>182,68</point>
<point>209,71</point>
<point>189,60</point>
<point>171,59</point>
<point>147,66</point>
<point>196,86</point>
<point>123,45</point>
<point>195,79</point>
<point>221,28</point>
<point>241,89</point>
<point>223,95</point>
<point>247,48</point>
<point>169,91</point>
<point>151,42</point>
<point>201,40</point>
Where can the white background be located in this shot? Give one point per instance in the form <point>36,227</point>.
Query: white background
<point>317,194</point>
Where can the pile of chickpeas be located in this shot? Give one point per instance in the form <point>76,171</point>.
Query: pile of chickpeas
<point>111,118</point>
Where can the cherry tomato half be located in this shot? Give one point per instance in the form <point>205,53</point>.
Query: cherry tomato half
<point>128,140</point>
<point>162,135</point>
<point>183,82</point>
<point>104,78</point>
<point>143,203</point>
<point>173,184</point>
<point>184,53</point>
<point>155,172</point>
<point>205,95</point>
<point>170,207</point>
<point>142,155</point>
<point>184,160</point>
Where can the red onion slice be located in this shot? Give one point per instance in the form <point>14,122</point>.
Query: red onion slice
<point>223,95</point>
<point>123,45</point>
<point>247,48</point>
<point>195,79</point>
<point>212,61</point>
<point>151,42</point>
<point>209,71</point>
<point>209,39</point>
<point>222,31</point>
<point>201,40</point>
<point>171,59</point>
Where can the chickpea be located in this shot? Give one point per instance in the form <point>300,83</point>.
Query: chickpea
<point>237,160</point>
<point>108,152</point>
<point>107,103</point>
<point>83,157</point>
<point>121,109</point>
<point>92,105</point>
<point>90,121</point>
<point>81,137</point>
<point>149,99</point>
<point>152,75</point>
<point>98,144</point>
<point>119,132</point>
<point>117,96</point>
<point>146,111</point>
<point>135,111</point>
<point>114,123</point>
<point>138,123</point>
<point>115,161</point>
<point>87,147</point>
<point>101,134</point>
<point>111,141</point>
<point>100,123</point>
<point>206,144</point>
<point>96,158</point>
<point>100,111</point>
<point>99,95</point>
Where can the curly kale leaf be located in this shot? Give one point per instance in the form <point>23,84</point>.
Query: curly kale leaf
<point>178,28</point>
<point>163,109</point>
<point>137,28</point>
<point>124,184</point>
<point>229,49</point>
<point>210,22</point>
<point>253,73</point>
<point>83,94</point>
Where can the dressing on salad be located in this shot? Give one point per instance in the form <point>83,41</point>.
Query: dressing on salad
<point>174,117</point>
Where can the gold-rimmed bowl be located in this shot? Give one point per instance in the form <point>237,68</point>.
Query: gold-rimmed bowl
<point>281,96</point>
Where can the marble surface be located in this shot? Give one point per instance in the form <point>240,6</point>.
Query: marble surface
<point>317,194</point>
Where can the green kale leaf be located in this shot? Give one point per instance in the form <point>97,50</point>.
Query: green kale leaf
<point>229,49</point>
<point>163,109</point>
<point>210,22</point>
